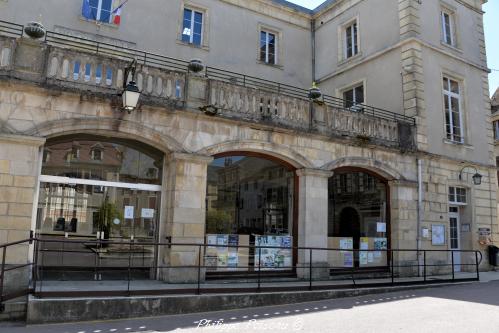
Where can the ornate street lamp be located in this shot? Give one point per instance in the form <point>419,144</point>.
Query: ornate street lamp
<point>131,93</point>
<point>477,178</point>
<point>130,96</point>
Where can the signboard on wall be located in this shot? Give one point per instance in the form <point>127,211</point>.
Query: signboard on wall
<point>278,255</point>
<point>438,234</point>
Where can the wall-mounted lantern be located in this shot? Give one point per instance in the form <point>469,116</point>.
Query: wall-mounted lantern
<point>131,93</point>
<point>477,178</point>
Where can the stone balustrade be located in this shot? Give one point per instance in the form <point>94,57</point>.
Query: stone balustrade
<point>257,105</point>
<point>72,67</point>
<point>331,120</point>
<point>68,67</point>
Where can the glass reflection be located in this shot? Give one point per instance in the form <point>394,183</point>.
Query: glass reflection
<point>101,160</point>
<point>249,195</point>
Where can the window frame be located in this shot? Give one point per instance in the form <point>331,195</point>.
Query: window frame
<point>267,33</point>
<point>343,40</point>
<point>495,127</point>
<point>453,193</point>
<point>354,39</point>
<point>194,11</point>
<point>94,155</point>
<point>342,90</point>
<point>99,12</point>
<point>448,95</point>
<point>451,33</point>
<point>356,106</point>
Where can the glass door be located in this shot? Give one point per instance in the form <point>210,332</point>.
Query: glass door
<point>96,231</point>
<point>454,227</point>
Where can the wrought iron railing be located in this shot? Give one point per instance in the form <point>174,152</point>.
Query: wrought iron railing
<point>169,63</point>
<point>61,255</point>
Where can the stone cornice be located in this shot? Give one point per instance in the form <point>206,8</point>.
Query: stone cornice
<point>314,173</point>
<point>194,158</point>
<point>275,10</point>
<point>21,139</point>
<point>396,46</point>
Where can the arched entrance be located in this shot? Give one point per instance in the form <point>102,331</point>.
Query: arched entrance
<point>358,218</point>
<point>98,188</point>
<point>350,225</point>
<point>250,200</point>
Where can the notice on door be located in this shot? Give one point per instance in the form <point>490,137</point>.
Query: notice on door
<point>129,212</point>
<point>147,213</point>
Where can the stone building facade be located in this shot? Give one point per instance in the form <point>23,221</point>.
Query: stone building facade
<point>425,62</point>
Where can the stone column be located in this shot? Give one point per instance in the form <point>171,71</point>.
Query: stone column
<point>185,211</point>
<point>313,220</point>
<point>403,225</point>
<point>19,169</point>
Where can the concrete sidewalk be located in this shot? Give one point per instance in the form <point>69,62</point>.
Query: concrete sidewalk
<point>453,309</point>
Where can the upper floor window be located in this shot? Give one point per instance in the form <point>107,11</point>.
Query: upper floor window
<point>351,32</point>
<point>268,47</point>
<point>98,10</point>
<point>496,130</point>
<point>354,97</point>
<point>192,28</point>
<point>457,195</point>
<point>453,114</point>
<point>448,36</point>
<point>73,154</point>
<point>46,155</point>
<point>96,154</point>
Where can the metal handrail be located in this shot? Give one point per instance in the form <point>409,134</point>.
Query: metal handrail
<point>165,62</point>
<point>310,266</point>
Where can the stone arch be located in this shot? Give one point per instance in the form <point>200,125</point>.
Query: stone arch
<point>109,128</point>
<point>280,152</point>
<point>382,169</point>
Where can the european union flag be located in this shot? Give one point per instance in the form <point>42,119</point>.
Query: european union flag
<point>86,11</point>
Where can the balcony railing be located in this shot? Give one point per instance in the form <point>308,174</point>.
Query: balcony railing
<point>75,62</point>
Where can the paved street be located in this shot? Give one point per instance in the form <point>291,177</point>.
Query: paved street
<point>460,308</point>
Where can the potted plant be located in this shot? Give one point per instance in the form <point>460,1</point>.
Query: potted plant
<point>108,212</point>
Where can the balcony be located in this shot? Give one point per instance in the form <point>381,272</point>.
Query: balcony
<point>88,67</point>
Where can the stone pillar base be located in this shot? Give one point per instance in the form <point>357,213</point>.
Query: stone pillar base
<point>182,275</point>
<point>320,271</point>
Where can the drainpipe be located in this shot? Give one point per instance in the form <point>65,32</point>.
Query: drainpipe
<point>312,30</point>
<point>420,212</point>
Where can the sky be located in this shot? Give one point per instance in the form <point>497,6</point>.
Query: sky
<point>491,21</point>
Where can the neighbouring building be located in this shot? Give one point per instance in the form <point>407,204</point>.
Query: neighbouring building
<point>397,153</point>
<point>494,105</point>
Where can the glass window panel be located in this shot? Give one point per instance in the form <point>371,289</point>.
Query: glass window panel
<point>98,74</point>
<point>109,76</point>
<point>359,95</point>
<point>266,206</point>
<point>454,86</point>
<point>105,16</point>
<point>348,97</point>
<point>446,84</point>
<point>107,4</point>
<point>196,39</point>
<point>349,41</point>
<point>187,27</point>
<point>119,162</point>
<point>187,15</point>
<point>198,18</point>
<point>355,32</point>
<point>76,70</point>
<point>88,71</point>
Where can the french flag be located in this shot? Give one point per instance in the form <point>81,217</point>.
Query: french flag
<point>117,13</point>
